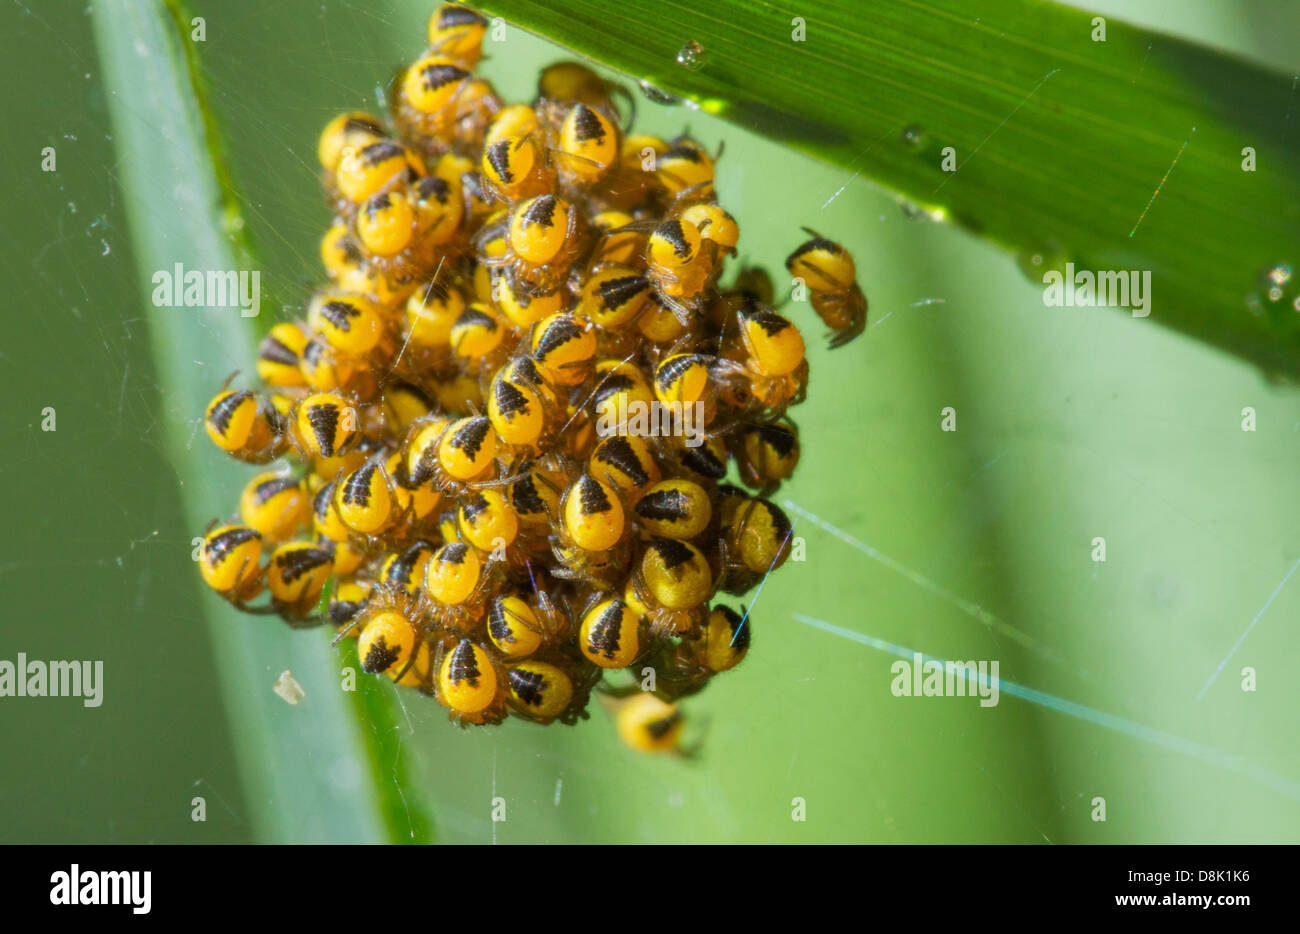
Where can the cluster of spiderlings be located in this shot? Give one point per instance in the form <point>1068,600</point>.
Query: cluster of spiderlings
<point>472,489</point>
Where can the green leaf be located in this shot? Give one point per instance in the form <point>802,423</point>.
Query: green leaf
<point>1122,154</point>
<point>311,771</point>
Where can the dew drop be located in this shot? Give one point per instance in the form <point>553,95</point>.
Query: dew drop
<point>659,97</point>
<point>691,56</point>
<point>1037,260</point>
<point>912,211</point>
<point>913,136</point>
<point>1277,295</point>
<point>918,212</point>
<point>1277,277</point>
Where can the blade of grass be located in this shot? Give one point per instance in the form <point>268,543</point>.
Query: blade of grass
<point>312,773</point>
<point>1122,154</point>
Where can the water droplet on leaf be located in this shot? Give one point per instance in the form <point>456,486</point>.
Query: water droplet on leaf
<point>659,97</point>
<point>1278,295</point>
<point>691,56</point>
<point>1037,260</point>
<point>1279,276</point>
<point>912,211</point>
<point>913,136</point>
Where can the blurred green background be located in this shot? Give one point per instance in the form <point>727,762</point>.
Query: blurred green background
<point>1072,424</point>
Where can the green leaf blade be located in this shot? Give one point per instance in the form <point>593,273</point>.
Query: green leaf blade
<point>309,772</point>
<point>1060,142</point>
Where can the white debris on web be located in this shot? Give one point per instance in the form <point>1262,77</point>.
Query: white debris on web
<point>288,688</point>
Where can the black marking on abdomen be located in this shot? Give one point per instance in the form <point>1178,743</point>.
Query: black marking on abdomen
<point>498,156</point>
<point>510,401</point>
<point>268,489</point>
<point>437,76</point>
<point>356,491</point>
<point>469,438</point>
<point>615,293</point>
<point>464,665</point>
<point>528,686</point>
<point>617,451</point>
<point>558,334</point>
<point>224,410</point>
<point>591,496</point>
<point>782,440</point>
<point>454,15</point>
<point>542,211</point>
<point>273,350</point>
<point>587,125</point>
<point>221,545</point>
<point>672,552</point>
<point>664,505</point>
<point>672,231</point>
<point>380,657</point>
<point>606,632</point>
<point>324,421</point>
<point>294,564</point>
